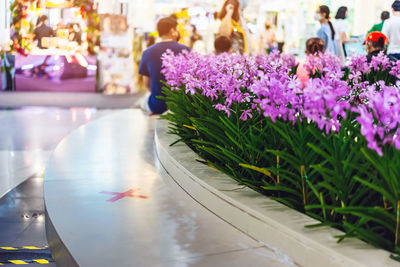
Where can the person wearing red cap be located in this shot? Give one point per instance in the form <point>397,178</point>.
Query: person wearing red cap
<point>374,44</point>
<point>391,28</point>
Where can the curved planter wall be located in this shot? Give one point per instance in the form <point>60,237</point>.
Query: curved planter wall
<point>261,218</point>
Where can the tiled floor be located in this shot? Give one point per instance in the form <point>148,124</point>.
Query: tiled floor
<point>28,136</point>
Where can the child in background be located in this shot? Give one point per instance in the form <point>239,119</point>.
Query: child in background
<point>314,46</point>
<point>222,44</point>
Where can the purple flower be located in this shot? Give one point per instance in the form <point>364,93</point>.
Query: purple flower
<point>246,114</point>
<point>380,117</point>
<point>395,71</point>
<point>221,107</point>
<point>380,62</point>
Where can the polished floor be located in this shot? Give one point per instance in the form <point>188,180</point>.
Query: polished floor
<point>112,204</point>
<point>107,196</point>
<point>66,100</point>
<point>28,137</point>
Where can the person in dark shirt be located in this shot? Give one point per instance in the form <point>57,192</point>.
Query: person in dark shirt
<point>42,30</point>
<point>374,44</point>
<point>75,33</point>
<point>151,64</point>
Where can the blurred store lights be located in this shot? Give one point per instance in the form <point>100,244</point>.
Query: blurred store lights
<point>89,112</point>
<point>27,67</point>
<point>92,67</point>
<point>58,3</point>
<point>74,114</point>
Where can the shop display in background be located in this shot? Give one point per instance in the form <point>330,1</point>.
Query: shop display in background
<point>55,43</point>
<point>116,56</point>
<point>56,73</point>
<point>89,12</point>
<point>22,29</point>
<point>24,13</point>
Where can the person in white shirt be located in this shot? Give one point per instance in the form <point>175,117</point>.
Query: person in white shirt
<point>342,27</point>
<point>391,28</point>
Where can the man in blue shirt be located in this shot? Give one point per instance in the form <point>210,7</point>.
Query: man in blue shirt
<point>151,63</point>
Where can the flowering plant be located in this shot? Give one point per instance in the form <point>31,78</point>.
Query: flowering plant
<point>316,149</point>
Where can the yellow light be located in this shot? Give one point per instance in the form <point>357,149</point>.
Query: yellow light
<point>58,3</point>
<point>39,12</point>
<point>25,24</point>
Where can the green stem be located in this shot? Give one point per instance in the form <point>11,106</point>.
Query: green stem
<point>277,168</point>
<point>396,242</point>
<point>303,185</point>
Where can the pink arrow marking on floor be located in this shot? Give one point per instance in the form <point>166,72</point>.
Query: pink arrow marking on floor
<point>118,196</point>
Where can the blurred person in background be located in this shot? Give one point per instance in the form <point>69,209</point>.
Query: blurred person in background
<point>42,30</point>
<point>385,15</point>
<point>195,35</point>
<point>374,44</point>
<point>222,44</point>
<point>75,33</point>
<point>342,27</point>
<point>268,41</point>
<point>196,42</point>
<point>314,46</point>
<point>151,64</point>
<point>233,26</point>
<point>150,41</point>
<point>391,29</point>
<point>281,37</point>
<point>327,31</point>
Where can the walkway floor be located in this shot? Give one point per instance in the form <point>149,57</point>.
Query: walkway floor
<point>112,204</point>
<point>158,225</point>
<point>66,100</point>
<point>28,136</point>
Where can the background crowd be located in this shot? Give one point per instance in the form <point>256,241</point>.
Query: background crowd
<point>228,32</point>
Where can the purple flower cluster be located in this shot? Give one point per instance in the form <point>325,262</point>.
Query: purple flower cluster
<point>380,117</point>
<point>326,102</point>
<point>225,78</point>
<point>395,70</point>
<point>358,66</point>
<point>327,65</point>
<point>267,85</point>
<point>276,93</point>
<point>380,62</point>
